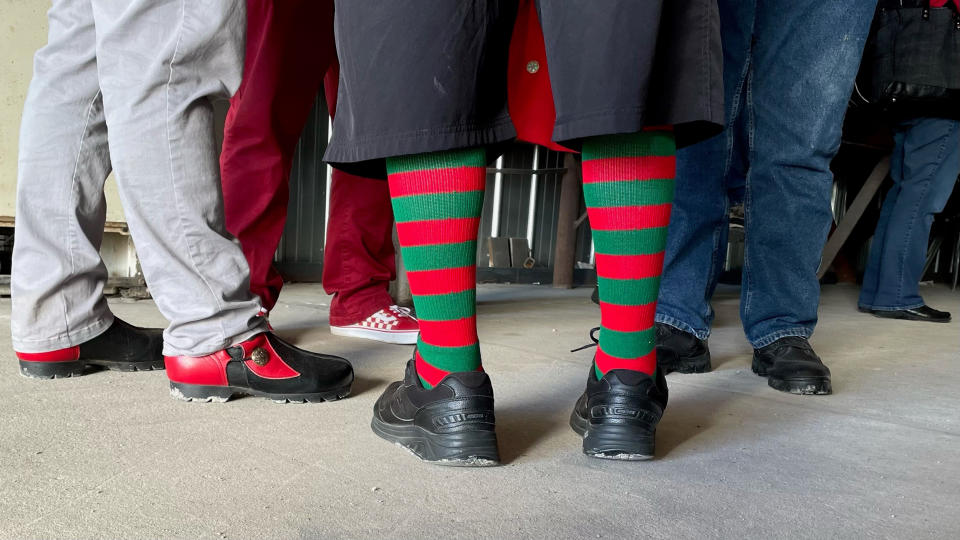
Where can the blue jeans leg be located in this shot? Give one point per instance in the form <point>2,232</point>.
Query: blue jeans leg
<point>929,149</point>
<point>805,57</point>
<point>697,237</point>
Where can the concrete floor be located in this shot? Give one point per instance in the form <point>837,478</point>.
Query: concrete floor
<point>111,455</point>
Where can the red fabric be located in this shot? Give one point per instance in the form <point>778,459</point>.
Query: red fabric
<point>627,318</point>
<point>629,266</point>
<point>618,218</point>
<point>359,259</point>
<point>529,95</point>
<point>941,3</point>
<point>444,280</point>
<point>629,168</point>
<point>452,333</point>
<point>646,363</point>
<point>289,49</point>
<point>69,354</point>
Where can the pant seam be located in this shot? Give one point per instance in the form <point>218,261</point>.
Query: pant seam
<point>173,176</point>
<point>71,241</point>
<point>780,334</point>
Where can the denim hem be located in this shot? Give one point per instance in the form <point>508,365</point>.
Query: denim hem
<point>680,325</point>
<point>892,308</point>
<point>779,334</point>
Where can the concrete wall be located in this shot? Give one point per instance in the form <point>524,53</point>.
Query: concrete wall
<point>23,29</point>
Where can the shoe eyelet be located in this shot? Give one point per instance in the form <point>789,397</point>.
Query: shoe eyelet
<point>260,356</point>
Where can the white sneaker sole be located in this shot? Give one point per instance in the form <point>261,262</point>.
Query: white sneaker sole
<point>397,338</point>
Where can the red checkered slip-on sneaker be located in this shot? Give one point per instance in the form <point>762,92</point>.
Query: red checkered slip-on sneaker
<point>392,324</point>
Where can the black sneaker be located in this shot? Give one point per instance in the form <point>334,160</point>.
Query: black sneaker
<point>790,365</point>
<point>123,347</point>
<point>617,416</point>
<point>450,424</point>
<point>681,351</point>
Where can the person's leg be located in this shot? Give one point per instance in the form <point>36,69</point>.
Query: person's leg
<point>60,321</point>
<point>868,290</point>
<point>931,162</point>
<point>798,112</point>
<point>157,81</point>
<point>359,262</point>
<point>801,83</point>
<point>442,410</point>
<point>697,237</point>
<point>628,184</point>
<point>289,46</point>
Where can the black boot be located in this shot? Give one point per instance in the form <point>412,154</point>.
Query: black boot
<point>123,347</point>
<point>681,351</point>
<point>790,365</point>
<point>449,424</point>
<point>617,415</point>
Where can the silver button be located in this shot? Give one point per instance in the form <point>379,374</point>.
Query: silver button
<point>533,66</point>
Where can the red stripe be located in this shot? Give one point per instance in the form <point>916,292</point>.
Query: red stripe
<point>629,266</point>
<point>424,182</point>
<point>617,169</point>
<point>627,318</point>
<point>646,364</point>
<point>69,354</point>
<point>443,281</point>
<point>625,218</point>
<point>455,333</point>
<point>438,231</point>
<point>430,374</point>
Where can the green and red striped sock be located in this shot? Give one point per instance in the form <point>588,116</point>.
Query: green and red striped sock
<point>437,201</point>
<point>628,185</point>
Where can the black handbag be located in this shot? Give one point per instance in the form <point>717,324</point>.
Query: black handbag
<point>914,52</point>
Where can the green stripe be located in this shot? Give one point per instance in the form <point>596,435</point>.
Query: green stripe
<point>627,344</point>
<point>630,242</point>
<point>446,307</point>
<point>450,359</point>
<point>447,159</point>
<point>653,143</point>
<point>628,292</point>
<point>437,256</point>
<point>457,204</point>
<point>628,193</point>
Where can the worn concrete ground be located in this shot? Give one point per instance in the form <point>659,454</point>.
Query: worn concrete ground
<point>111,455</point>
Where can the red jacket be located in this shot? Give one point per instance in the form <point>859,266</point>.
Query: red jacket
<point>941,3</point>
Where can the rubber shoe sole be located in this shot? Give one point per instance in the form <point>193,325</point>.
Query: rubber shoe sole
<point>396,338</point>
<point>467,449</point>
<point>222,394</point>
<point>76,368</point>
<point>804,386</point>
<point>612,441</point>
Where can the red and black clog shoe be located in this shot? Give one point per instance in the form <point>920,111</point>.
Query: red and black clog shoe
<point>123,347</point>
<point>265,366</point>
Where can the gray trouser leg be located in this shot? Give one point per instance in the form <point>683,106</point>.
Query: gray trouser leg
<point>158,64</point>
<point>58,276</point>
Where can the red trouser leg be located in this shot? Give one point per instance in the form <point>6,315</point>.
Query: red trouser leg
<point>289,47</point>
<point>358,262</point>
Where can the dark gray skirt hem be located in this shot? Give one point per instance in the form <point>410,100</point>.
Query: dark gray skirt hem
<point>367,156</point>
<point>690,129</point>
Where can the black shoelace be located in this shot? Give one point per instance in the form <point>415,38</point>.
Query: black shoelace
<point>593,337</point>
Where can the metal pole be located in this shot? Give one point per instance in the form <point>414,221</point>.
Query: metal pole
<point>532,209</point>
<point>497,194</point>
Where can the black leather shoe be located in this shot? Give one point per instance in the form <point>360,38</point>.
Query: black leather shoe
<point>790,365</point>
<point>123,347</point>
<point>617,415</point>
<point>450,424</point>
<point>681,351</point>
<point>922,313</point>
